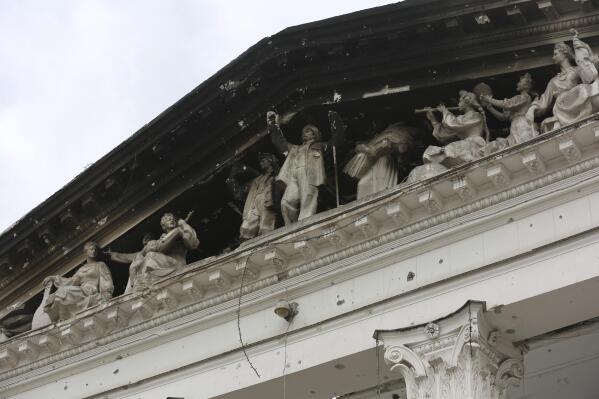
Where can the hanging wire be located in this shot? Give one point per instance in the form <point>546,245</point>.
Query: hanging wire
<point>378,368</point>
<point>239,319</point>
<point>285,360</point>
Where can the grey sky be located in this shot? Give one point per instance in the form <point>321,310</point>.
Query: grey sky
<point>78,77</point>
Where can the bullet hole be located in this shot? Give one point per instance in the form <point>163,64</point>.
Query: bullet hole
<point>510,220</point>
<point>66,387</point>
<point>510,331</point>
<point>340,302</point>
<point>561,217</point>
<point>530,225</point>
<point>440,261</point>
<point>549,350</point>
<point>115,372</point>
<point>312,392</point>
<point>411,276</point>
<point>339,366</point>
<point>119,357</point>
<point>514,317</point>
<point>299,362</point>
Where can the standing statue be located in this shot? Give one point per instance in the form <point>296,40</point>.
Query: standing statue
<point>574,91</point>
<point>514,110</point>
<point>303,170</point>
<point>161,257</point>
<point>90,285</point>
<point>375,162</point>
<point>259,215</point>
<point>134,259</point>
<point>465,130</point>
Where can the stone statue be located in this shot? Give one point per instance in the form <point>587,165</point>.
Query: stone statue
<point>375,162</point>
<point>303,170</point>
<point>134,259</point>
<point>573,92</point>
<point>90,285</point>
<point>161,257</point>
<point>464,134</point>
<point>514,110</point>
<point>259,215</point>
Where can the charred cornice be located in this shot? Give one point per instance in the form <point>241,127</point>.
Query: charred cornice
<point>355,53</point>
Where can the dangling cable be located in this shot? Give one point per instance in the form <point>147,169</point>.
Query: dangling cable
<point>239,319</point>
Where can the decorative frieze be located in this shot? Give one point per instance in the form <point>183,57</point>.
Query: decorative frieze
<point>499,175</point>
<point>367,226</point>
<point>534,163</point>
<point>306,249</point>
<point>431,200</point>
<point>570,150</point>
<point>219,280</point>
<point>398,212</point>
<point>464,187</point>
<point>276,258</point>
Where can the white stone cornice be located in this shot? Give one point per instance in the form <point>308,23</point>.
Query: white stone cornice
<point>337,246</point>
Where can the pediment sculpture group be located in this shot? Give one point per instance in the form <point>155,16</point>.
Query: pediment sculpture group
<point>571,95</point>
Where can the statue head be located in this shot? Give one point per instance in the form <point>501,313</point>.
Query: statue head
<point>91,249</point>
<point>525,83</point>
<point>405,139</point>
<point>268,162</point>
<point>311,134</point>
<point>562,52</point>
<point>168,221</point>
<point>468,100</point>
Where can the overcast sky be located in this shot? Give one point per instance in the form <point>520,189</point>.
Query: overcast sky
<point>78,77</point>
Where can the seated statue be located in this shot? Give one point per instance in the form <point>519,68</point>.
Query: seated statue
<point>161,257</point>
<point>90,285</point>
<point>133,259</point>
<point>513,110</point>
<point>259,215</point>
<point>463,132</point>
<point>375,162</point>
<point>573,92</point>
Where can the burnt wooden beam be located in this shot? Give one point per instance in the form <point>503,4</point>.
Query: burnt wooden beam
<point>548,9</point>
<point>454,26</point>
<point>516,15</point>
<point>586,5</point>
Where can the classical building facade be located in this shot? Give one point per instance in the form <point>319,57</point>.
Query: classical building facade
<point>401,202</point>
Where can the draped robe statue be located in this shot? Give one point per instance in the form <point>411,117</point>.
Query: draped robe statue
<point>514,110</point>
<point>573,92</point>
<point>375,163</point>
<point>90,285</point>
<point>160,258</point>
<point>463,132</point>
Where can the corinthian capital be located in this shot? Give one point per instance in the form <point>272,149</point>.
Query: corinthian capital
<point>458,357</point>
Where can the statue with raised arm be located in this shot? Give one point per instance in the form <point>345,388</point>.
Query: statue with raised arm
<point>463,133</point>
<point>514,110</point>
<point>376,162</point>
<point>303,170</point>
<point>134,259</point>
<point>89,286</point>
<point>259,212</point>
<point>574,91</point>
<point>162,257</point>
